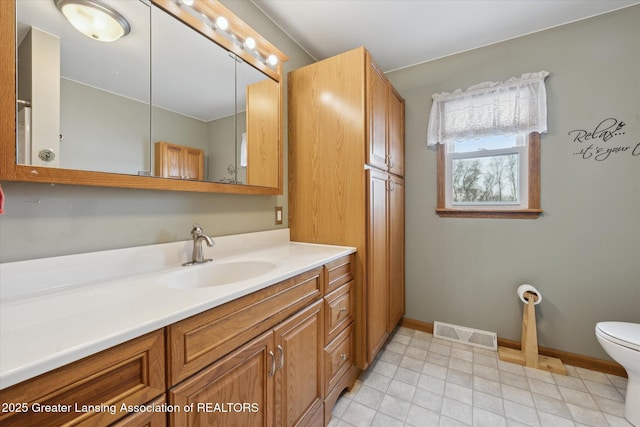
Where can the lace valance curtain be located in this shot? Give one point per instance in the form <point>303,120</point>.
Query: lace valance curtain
<point>517,105</point>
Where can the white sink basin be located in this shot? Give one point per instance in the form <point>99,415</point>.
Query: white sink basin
<point>217,274</point>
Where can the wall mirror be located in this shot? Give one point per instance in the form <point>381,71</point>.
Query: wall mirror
<point>176,103</point>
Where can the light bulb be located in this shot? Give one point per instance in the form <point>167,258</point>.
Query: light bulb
<point>187,2</point>
<point>222,23</point>
<point>250,43</point>
<point>272,60</point>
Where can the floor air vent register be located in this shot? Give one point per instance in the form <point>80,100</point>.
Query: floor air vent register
<point>461,334</point>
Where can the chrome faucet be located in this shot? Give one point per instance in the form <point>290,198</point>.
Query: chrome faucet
<point>198,237</point>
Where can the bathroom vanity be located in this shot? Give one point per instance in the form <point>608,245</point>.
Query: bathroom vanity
<point>263,335</point>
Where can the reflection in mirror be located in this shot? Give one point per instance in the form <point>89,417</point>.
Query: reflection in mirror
<point>257,126</point>
<point>82,104</point>
<point>193,88</point>
<point>179,104</point>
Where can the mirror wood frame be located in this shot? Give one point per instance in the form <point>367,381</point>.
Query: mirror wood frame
<point>11,171</point>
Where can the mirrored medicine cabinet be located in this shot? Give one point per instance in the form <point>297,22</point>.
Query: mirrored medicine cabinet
<point>177,103</point>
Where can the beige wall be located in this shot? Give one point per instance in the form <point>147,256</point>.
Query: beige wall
<point>43,220</point>
<point>583,254</point>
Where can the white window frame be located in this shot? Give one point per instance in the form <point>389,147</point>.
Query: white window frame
<point>521,149</point>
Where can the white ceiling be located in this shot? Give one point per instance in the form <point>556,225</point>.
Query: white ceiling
<point>401,33</point>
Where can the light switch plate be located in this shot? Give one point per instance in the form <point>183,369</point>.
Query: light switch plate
<point>278,215</point>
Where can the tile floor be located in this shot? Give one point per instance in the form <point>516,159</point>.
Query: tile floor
<point>418,380</point>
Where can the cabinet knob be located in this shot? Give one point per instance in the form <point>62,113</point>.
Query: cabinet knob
<point>343,310</point>
<point>343,356</point>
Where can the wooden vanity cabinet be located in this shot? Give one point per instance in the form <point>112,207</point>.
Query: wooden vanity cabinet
<point>340,371</point>
<point>200,340</point>
<point>346,152</point>
<point>131,373</point>
<point>278,374</point>
<point>258,360</point>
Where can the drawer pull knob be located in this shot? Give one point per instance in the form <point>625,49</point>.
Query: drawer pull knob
<point>343,356</point>
<point>343,309</point>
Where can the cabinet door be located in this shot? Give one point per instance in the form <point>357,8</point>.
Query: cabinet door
<point>193,164</point>
<point>377,115</point>
<point>395,143</point>
<point>396,251</point>
<point>262,136</point>
<point>377,283</point>
<point>131,373</point>
<point>299,349</point>
<point>236,391</point>
<point>172,162</point>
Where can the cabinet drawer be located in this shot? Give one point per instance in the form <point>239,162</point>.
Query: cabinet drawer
<point>339,306</point>
<point>338,272</point>
<point>338,357</point>
<point>146,419</point>
<point>204,338</point>
<point>131,373</point>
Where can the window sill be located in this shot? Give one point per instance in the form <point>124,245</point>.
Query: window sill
<point>485,213</point>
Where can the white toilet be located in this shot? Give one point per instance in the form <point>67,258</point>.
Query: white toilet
<point>621,341</point>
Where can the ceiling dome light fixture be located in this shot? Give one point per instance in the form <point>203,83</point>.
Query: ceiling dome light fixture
<point>94,19</point>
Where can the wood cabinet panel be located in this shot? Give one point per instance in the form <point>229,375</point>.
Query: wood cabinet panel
<point>377,115</point>
<point>178,161</point>
<point>193,164</point>
<point>243,377</point>
<point>263,134</point>
<point>275,379</point>
<point>396,251</point>
<point>145,419</point>
<point>338,273</point>
<point>299,343</point>
<point>202,339</point>
<point>377,262</point>
<point>326,197</point>
<point>339,357</point>
<point>395,139</point>
<point>131,373</point>
<point>338,310</point>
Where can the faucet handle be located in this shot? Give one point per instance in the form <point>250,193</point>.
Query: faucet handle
<point>196,230</point>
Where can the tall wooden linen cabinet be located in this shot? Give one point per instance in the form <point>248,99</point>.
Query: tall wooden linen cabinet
<point>346,185</point>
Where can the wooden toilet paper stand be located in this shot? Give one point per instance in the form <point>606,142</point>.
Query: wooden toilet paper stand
<point>528,355</point>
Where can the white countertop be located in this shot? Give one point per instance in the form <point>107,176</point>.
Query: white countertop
<point>115,296</point>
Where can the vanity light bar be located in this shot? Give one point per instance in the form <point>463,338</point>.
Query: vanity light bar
<point>241,39</point>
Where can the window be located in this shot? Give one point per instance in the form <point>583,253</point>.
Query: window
<point>488,140</point>
<point>496,177</point>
